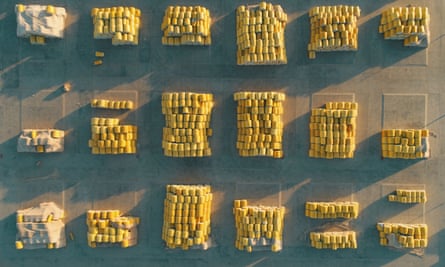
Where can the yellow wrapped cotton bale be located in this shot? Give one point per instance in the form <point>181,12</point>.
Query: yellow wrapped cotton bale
<point>120,24</point>
<point>403,235</point>
<point>111,229</point>
<point>332,130</point>
<point>50,10</point>
<point>110,104</point>
<point>187,118</point>
<point>408,196</point>
<point>37,40</point>
<point>333,28</point>
<point>187,210</point>
<point>186,25</point>
<point>260,34</point>
<point>405,143</point>
<point>260,125</point>
<point>20,8</point>
<point>332,210</point>
<point>410,24</point>
<point>333,240</point>
<point>258,226</point>
<point>19,245</point>
<point>113,138</point>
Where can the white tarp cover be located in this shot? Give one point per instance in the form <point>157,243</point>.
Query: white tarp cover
<point>36,231</point>
<point>26,143</point>
<point>41,212</point>
<point>34,20</point>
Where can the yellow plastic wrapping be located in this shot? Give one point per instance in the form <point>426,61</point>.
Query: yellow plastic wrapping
<point>333,130</point>
<point>260,34</point>
<point>187,118</point>
<point>260,124</point>
<point>333,28</point>
<point>187,210</point>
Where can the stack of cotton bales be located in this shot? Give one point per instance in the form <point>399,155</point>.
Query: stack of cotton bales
<point>260,124</point>
<point>258,226</point>
<point>410,24</point>
<point>332,210</point>
<point>260,34</point>
<point>120,24</point>
<point>187,210</point>
<point>40,227</point>
<point>108,228</point>
<point>99,59</point>
<point>332,130</point>
<point>187,119</point>
<point>111,104</point>
<point>333,28</point>
<point>108,137</point>
<point>405,144</point>
<point>38,22</point>
<point>408,196</point>
<point>403,235</point>
<point>186,25</point>
<point>37,40</point>
<point>41,140</point>
<point>333,240</point>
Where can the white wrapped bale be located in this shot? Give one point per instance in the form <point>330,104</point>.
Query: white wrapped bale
<point>40,20</point>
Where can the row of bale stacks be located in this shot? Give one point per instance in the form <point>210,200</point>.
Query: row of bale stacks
<point>410,24</point>
<point>120,24</point>
<point>41,140</point>
<point>408,196</point>
<point>111,104</point>
<point>333,28</point>
<point>187,210</point>
<point>260,123</point>
<point>403,235</point>
<point>187,124</point>
<point>186,25</point>
<point>108,228</point>
<point>333,240</point>
<point>260,34</point>
<point>108,137</point>
<point>333,130</point>
<point>258,227</point>
<point>41,226</point>
<point>405,144</point>
<point>331,210</point>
